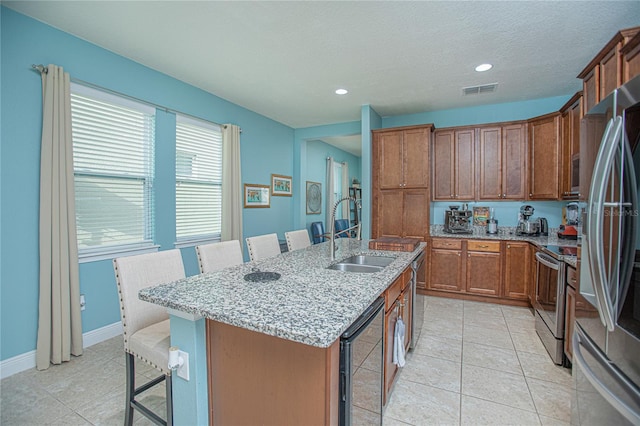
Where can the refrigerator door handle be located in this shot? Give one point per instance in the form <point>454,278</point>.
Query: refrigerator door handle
<point>599,185</point>
<point>579,342</point>
<point>631,219</point>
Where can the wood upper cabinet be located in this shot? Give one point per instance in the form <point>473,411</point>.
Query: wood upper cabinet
<point>453,164</point>
<point>402,157</point>
<point>502,153</point>
<point>400,182</point>
<point>570,147</point>
<point>401,213</point>
<point>605,71</point>
<point>517,272</point>
<point>544,157</point>
<point>631,59</point>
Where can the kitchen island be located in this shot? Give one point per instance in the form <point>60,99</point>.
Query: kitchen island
<point>309,306</point>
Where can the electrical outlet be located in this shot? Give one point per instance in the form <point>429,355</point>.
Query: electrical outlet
<point>83,303</point>
<point>183,370</point>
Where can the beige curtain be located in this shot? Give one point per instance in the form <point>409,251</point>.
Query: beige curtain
<point>330,194</point>
<point>59,320</point>
<point>345,190</point>
<point>232,192</point>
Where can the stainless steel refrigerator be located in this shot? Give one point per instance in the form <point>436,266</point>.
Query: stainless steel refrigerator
<point>606,340</point>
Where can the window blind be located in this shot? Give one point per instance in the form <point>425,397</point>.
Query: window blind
<point>198,180</point>
<point>113,140</point>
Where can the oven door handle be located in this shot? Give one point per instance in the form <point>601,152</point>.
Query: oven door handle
<point>547,261</point>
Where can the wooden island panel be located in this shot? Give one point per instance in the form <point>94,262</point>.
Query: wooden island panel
<point>257,379</point>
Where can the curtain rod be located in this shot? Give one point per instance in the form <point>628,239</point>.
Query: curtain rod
<point>43,70</point>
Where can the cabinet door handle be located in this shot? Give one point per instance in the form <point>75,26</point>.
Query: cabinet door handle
<point>483,246</point>
<point>530,194</point>
<point>504,195</point>
<point>468,255</point>
<point>508,245</point>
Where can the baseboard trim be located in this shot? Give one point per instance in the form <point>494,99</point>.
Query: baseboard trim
<point>26,361</point>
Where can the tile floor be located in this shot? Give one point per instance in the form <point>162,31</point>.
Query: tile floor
<point>475,363</point>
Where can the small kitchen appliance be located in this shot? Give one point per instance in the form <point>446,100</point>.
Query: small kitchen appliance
<point>492,223</point>
<point>527,225</point>
<point>569,230</point>
<point>458,221</point>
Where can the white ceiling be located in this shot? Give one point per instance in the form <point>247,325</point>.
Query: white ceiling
<point>284,60</point>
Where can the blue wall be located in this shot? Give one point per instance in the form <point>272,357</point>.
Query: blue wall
<point>267,147</point>
<point>317,153</point>
<point>511,111</point>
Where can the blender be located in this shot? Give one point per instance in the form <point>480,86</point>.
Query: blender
<point>569,230</point>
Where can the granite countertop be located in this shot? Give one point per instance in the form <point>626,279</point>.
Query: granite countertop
<point>309,304</point>
<point>508,234</point>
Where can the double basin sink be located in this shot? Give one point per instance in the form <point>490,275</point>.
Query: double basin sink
<point>362,263</point>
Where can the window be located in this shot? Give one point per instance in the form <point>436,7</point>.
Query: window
<point>198,180</point>
<point>113,139</point>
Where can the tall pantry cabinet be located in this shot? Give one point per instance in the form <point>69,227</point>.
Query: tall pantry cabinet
<point>400,182</point>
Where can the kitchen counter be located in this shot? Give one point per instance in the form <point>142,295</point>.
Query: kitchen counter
<point>309,304</point>
<point>509,234</point>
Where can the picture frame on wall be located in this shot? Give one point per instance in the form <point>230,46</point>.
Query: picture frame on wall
<point>281,186</point>
<point>314,197</point>
<point>256,196</point>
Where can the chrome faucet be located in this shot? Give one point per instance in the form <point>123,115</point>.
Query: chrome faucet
<point>332,247</point>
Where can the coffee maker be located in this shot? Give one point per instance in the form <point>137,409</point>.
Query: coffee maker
<point>526,225</point>
<point>458,221</point>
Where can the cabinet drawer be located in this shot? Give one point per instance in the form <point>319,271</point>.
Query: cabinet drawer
<point>393,292</point>
<point>572,277</point>
<point>406,278</point>
<point>480,245</point>
<point>446,243</point>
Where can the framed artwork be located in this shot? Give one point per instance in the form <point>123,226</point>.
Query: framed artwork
<point>314,197</point>
<point>256,196</point>
<point>480,215</point>
<point>281,186</point>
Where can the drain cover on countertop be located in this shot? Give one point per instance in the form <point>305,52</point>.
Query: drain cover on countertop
<point>260,277</point>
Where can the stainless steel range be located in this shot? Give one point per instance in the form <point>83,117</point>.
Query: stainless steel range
<point>549,301</point>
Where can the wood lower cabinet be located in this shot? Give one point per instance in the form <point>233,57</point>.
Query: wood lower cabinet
<point>398,304</point>
<point>544,157</point>
<point>517,270</point>
<point>446,268</point>
<point>453,175</point>
<point>490,270</point>
<point>484,268</point>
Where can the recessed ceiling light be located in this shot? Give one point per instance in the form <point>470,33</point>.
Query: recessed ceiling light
<point>342,92</point>
<point>484,67</point>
